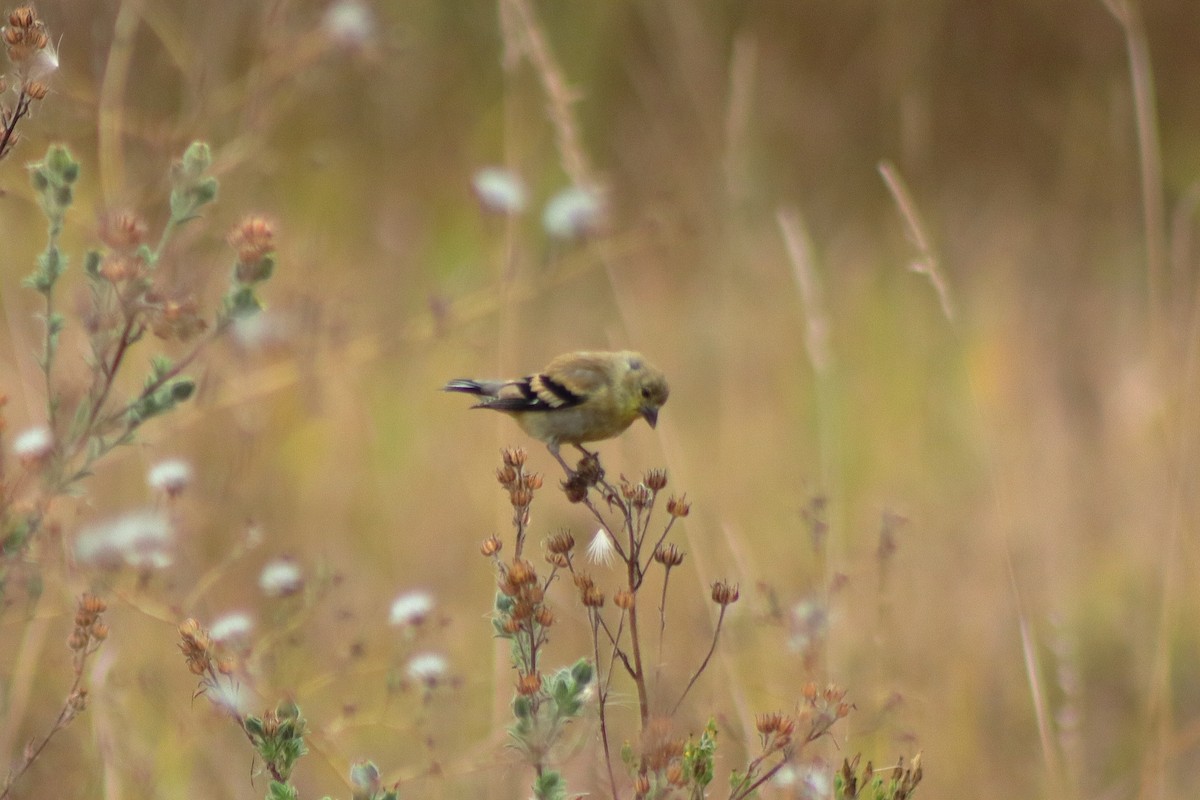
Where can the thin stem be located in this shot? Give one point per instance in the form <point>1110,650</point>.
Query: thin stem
<point>663,538</point>
<point>662,612</point>
<point>559,97</point>
<point>747,791</point>
<point>703,664</point>
<point>613,640</point>
<point>168,230</point>
<point>178,367</point>
<point>926,262</point>
<point>1141,78</point>
<point>108,372</point>
<point>7,139</point>
<point>639,676</point>
<point>65,715</point>
<point>602,698</point>
<point>587,499</point>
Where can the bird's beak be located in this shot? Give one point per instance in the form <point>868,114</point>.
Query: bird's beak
<point>651,415</point>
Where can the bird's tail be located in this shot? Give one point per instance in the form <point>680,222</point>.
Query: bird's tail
<point>477,388</point>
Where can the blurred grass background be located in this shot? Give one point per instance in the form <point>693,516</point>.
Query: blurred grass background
<point>1041,445</point>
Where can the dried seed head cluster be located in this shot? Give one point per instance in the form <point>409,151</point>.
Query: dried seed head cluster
<point>519,581</point>
<point>660,747</point>
<point>822,708</point>
<point>575,488</point>
<point>587,474</point>
<point>669,555</point>
<point>679,506</point>
<point>33,58</point>
<point>561,542</point>
<point>901,786</point>
<point>776,730</point>
<point>196,646</point>
<point>655,480</point>
<point>724,594</point>
<point>529,684</point>
<point>491,546</point>
<point>589,594</point>
<point>514,457</point>
<point>520,486</point>
<point>25,37</point>
<point>89,630</point>
<point>558,549</point>
<point>204,656</point>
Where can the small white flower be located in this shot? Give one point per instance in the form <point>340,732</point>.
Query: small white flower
<point>427,668</point>
<point>235,627</point>
<point>170,477</point>
<point>33,444</point>
<point>228,696</point>
<point>410,608</point>
<point>573,212</point>
<point>786,776</point>
<point>350,23</point>
<point>139,539</point>
<point>43,64</point>
<point>601,550</point>
<point>809,624</point>
<point>263,331</point>
<point>500,190</point>
<point>280,577</point>
<point>816,783</point>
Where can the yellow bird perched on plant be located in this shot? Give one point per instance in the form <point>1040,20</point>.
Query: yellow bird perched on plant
<point>579,397</point>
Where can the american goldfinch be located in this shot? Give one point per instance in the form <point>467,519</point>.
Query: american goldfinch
<point>579,397</point>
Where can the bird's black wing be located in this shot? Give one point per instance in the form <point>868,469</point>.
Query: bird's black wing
<point>533,393</point>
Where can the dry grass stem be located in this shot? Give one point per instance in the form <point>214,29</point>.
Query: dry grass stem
<point>926,263</point>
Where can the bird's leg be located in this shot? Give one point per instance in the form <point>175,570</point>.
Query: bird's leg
<point>553,448</point>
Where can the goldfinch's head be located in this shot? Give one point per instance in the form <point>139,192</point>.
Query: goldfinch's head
<point>646,386</point>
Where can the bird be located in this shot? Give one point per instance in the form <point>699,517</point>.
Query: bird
<point>579,397</point>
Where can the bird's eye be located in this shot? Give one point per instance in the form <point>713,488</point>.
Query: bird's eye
<point>645,392</point>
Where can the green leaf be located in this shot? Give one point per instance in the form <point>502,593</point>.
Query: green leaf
<point>204,192</point>
<point>60,164</point>
<point>182,389</point>
<point>241,302</point>
<point>54,328</point>
<point>583,672</point>
<point>550,786</point>
<point>51,261</point>
<point>254,726</point>
<point>196,159</point>
<point>92,262</point>
<point>191,188</point>
<point>281,791</point>
<point>160,365</point>
<point>39,178</point>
